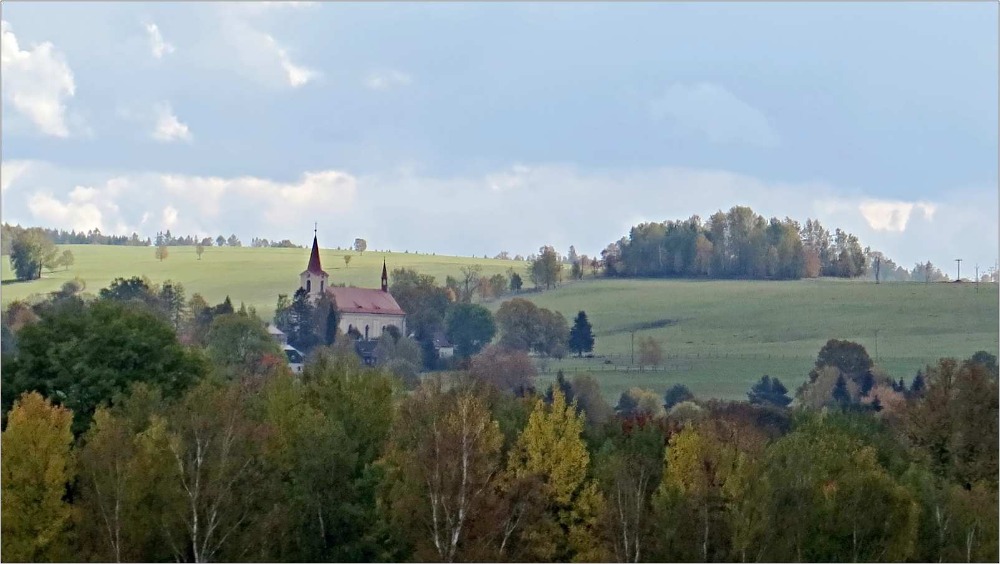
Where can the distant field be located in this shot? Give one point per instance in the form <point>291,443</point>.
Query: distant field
<point>252,276</point>
<point>724,335</point>
<point>720,336</point>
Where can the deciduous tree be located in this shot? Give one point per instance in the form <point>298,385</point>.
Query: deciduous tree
<point>37,468</point>
<point>470,327</point>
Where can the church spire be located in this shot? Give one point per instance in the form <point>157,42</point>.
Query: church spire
<point>385,278</point>
<point>314,265</point>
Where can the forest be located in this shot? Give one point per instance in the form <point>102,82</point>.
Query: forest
<point>142,426</point>
<point>735,244</point>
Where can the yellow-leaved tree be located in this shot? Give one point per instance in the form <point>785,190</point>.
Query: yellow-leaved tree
<point>37,465</point>
<point>551,450</point>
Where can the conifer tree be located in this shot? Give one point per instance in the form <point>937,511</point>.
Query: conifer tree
<point>581,336</point>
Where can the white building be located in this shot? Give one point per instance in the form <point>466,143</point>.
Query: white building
<point>368,311</point>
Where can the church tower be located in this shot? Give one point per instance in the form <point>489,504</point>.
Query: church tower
<point>314,279</point>
<point>385,278</point>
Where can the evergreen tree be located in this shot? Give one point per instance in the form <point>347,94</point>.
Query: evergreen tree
<point>841,396</point>
<point>581,336</point>
<point>675,395</point>
<point>769,391</point>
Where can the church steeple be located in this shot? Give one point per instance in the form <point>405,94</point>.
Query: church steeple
<point>385,278</point>
<point>314,265</point>
<point>313,279</point>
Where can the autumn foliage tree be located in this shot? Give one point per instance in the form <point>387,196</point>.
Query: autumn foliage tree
<point>446,453</point>
<point>551,450</point>
<point>37,468</point>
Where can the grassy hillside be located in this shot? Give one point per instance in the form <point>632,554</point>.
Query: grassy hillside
<point>720,336</point>
<point>252,276</point>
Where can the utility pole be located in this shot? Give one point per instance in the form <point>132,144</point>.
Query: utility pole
<point>632,333</point>
<point>977,278</point>
<point>876,345</point>
<point>959,261</point>
<point>878,263</point>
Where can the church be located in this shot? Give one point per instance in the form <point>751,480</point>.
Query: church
<point>363,311</point>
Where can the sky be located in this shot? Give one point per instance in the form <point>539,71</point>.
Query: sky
<point>470,129</point>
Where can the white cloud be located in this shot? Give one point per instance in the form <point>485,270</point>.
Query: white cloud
<point>409,208</point>
<point>168,128</point>
<point>157,45</point>
<point>71,215</point>
<point>712,111</point>
<point>297,75</point>
<point>169,219</point>
<point>888,215</point>
<point>37,82</point>
<point>10,171</point>
<point>260,53</point>
<point>386,79</point>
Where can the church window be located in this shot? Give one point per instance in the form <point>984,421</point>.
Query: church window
<point>366,332</point>
<point>321,286</point>
<point>309,285</point>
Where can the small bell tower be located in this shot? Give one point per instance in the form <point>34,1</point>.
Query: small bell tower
<point>385,278</point>
<point>314,280</point>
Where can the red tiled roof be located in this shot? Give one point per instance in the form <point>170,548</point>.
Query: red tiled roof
<point>314,265</point>
<point>365,300</point>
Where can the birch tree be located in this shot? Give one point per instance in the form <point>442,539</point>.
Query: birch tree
<point>446,447</point>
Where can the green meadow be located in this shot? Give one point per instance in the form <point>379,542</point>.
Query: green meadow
<point>252,276</point>
<point>718,336</point>
<point>721,336</point>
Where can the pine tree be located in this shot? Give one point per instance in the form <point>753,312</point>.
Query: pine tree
<point>841,396</point>
<point>581,336</point>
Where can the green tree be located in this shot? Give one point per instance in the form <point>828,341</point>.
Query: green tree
<point>220,241</point>
<point>217,452</point>
<point>37,467</point>
<point>470,327</point>
<point>581,336</point>
<point>66,259</point>
<point>199,249</point>
<point>162,252</point>
<point>171,302</point>
<point>515,282</point>
<point>676,394</point>
<point>126,469</point>
<point>831,500</point>
<point>240,345</point>
<point>360,245</point>
<point>326,433</point>
<point>498,284</point>
<point>30,250</point>
<point>769,391</point>
<point>629,466</point>
<point>424,302</point>
<point>546,269</point>
<point>81,355</point>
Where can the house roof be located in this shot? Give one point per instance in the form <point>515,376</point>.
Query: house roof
<point>314,265</point>
<point>365,300</point>
<point>272,330</point>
